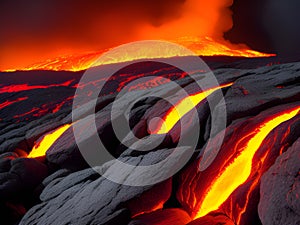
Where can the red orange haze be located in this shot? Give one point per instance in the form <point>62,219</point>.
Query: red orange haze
<point>196,24</point>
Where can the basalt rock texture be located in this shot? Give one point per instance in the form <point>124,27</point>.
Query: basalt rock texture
<point>61,188</point>
<point>85,197</point>
<point>281,205</point>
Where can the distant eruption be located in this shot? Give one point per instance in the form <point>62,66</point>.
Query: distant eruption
<point>202,47</point>
<point>196,24</point>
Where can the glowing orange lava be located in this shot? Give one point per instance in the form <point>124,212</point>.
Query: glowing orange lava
<point>201,46</point>
<point>8,102</point>
<point>209,47</point>
<point>183,107</point>
<point>25,87</point>
<point>40,148</point>
<point>240,169</point>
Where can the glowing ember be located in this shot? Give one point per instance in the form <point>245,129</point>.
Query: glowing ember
<point>239,170</point>
<point>47,141</point>
<point>35,110</point>
<point>26,87</point>
<point>61,104</point>
<point>201,46</point>
<point>8,102</point>
<point>183,107</point>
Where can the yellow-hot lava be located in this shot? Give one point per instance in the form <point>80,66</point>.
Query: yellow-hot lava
<point>40,148</point>
<point>183,107</point>
<point>196,24</point>
<point>201,46</point>
<point>240,169</point>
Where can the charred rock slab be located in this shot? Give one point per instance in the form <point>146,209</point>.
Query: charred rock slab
<point>280,190</point>
<point>85,197</point>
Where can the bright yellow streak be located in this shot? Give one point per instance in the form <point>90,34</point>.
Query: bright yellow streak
<point>202,46</point>
<point>40,148</point>
<point>183,107</point>
<point>239,171</point>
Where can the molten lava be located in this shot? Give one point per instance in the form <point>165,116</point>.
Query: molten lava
<point>201,46</point>
<point>41,147</point>
<point>183,107</point>
<point>236,173</point>
<point>209,47</point>
<point>8,102</point>
<point>25,87</point>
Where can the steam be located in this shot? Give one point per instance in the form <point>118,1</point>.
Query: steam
<point>199,18</point>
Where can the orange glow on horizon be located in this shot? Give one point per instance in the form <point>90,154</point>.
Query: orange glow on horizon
<point>197,25</point>
<point>40,148</point>
<point>240,169</point>
<point>183,107</point>
<point>200,46</point>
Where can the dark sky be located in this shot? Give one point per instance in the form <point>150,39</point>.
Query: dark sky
<point>267,25</point>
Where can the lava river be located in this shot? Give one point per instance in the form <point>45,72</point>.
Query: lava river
<point>228,185</point>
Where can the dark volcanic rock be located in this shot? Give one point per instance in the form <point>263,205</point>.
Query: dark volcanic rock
<point>280,190</point>
<point>19,179</point>
<point>21,175</point>
<point>76,195</point>
<point>11,212</point>
<point>85,197</point>
<point>263,88</point>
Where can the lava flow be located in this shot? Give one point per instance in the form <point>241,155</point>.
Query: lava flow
<point>236,173</point>
<point>10,102</point>
<point>25,87</point>
<point>41,147</point>
<point>183,107</point>
<point>201,46</point>
<point>29,89</point>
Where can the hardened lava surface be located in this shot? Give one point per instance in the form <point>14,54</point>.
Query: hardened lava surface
<point>59,187</point>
